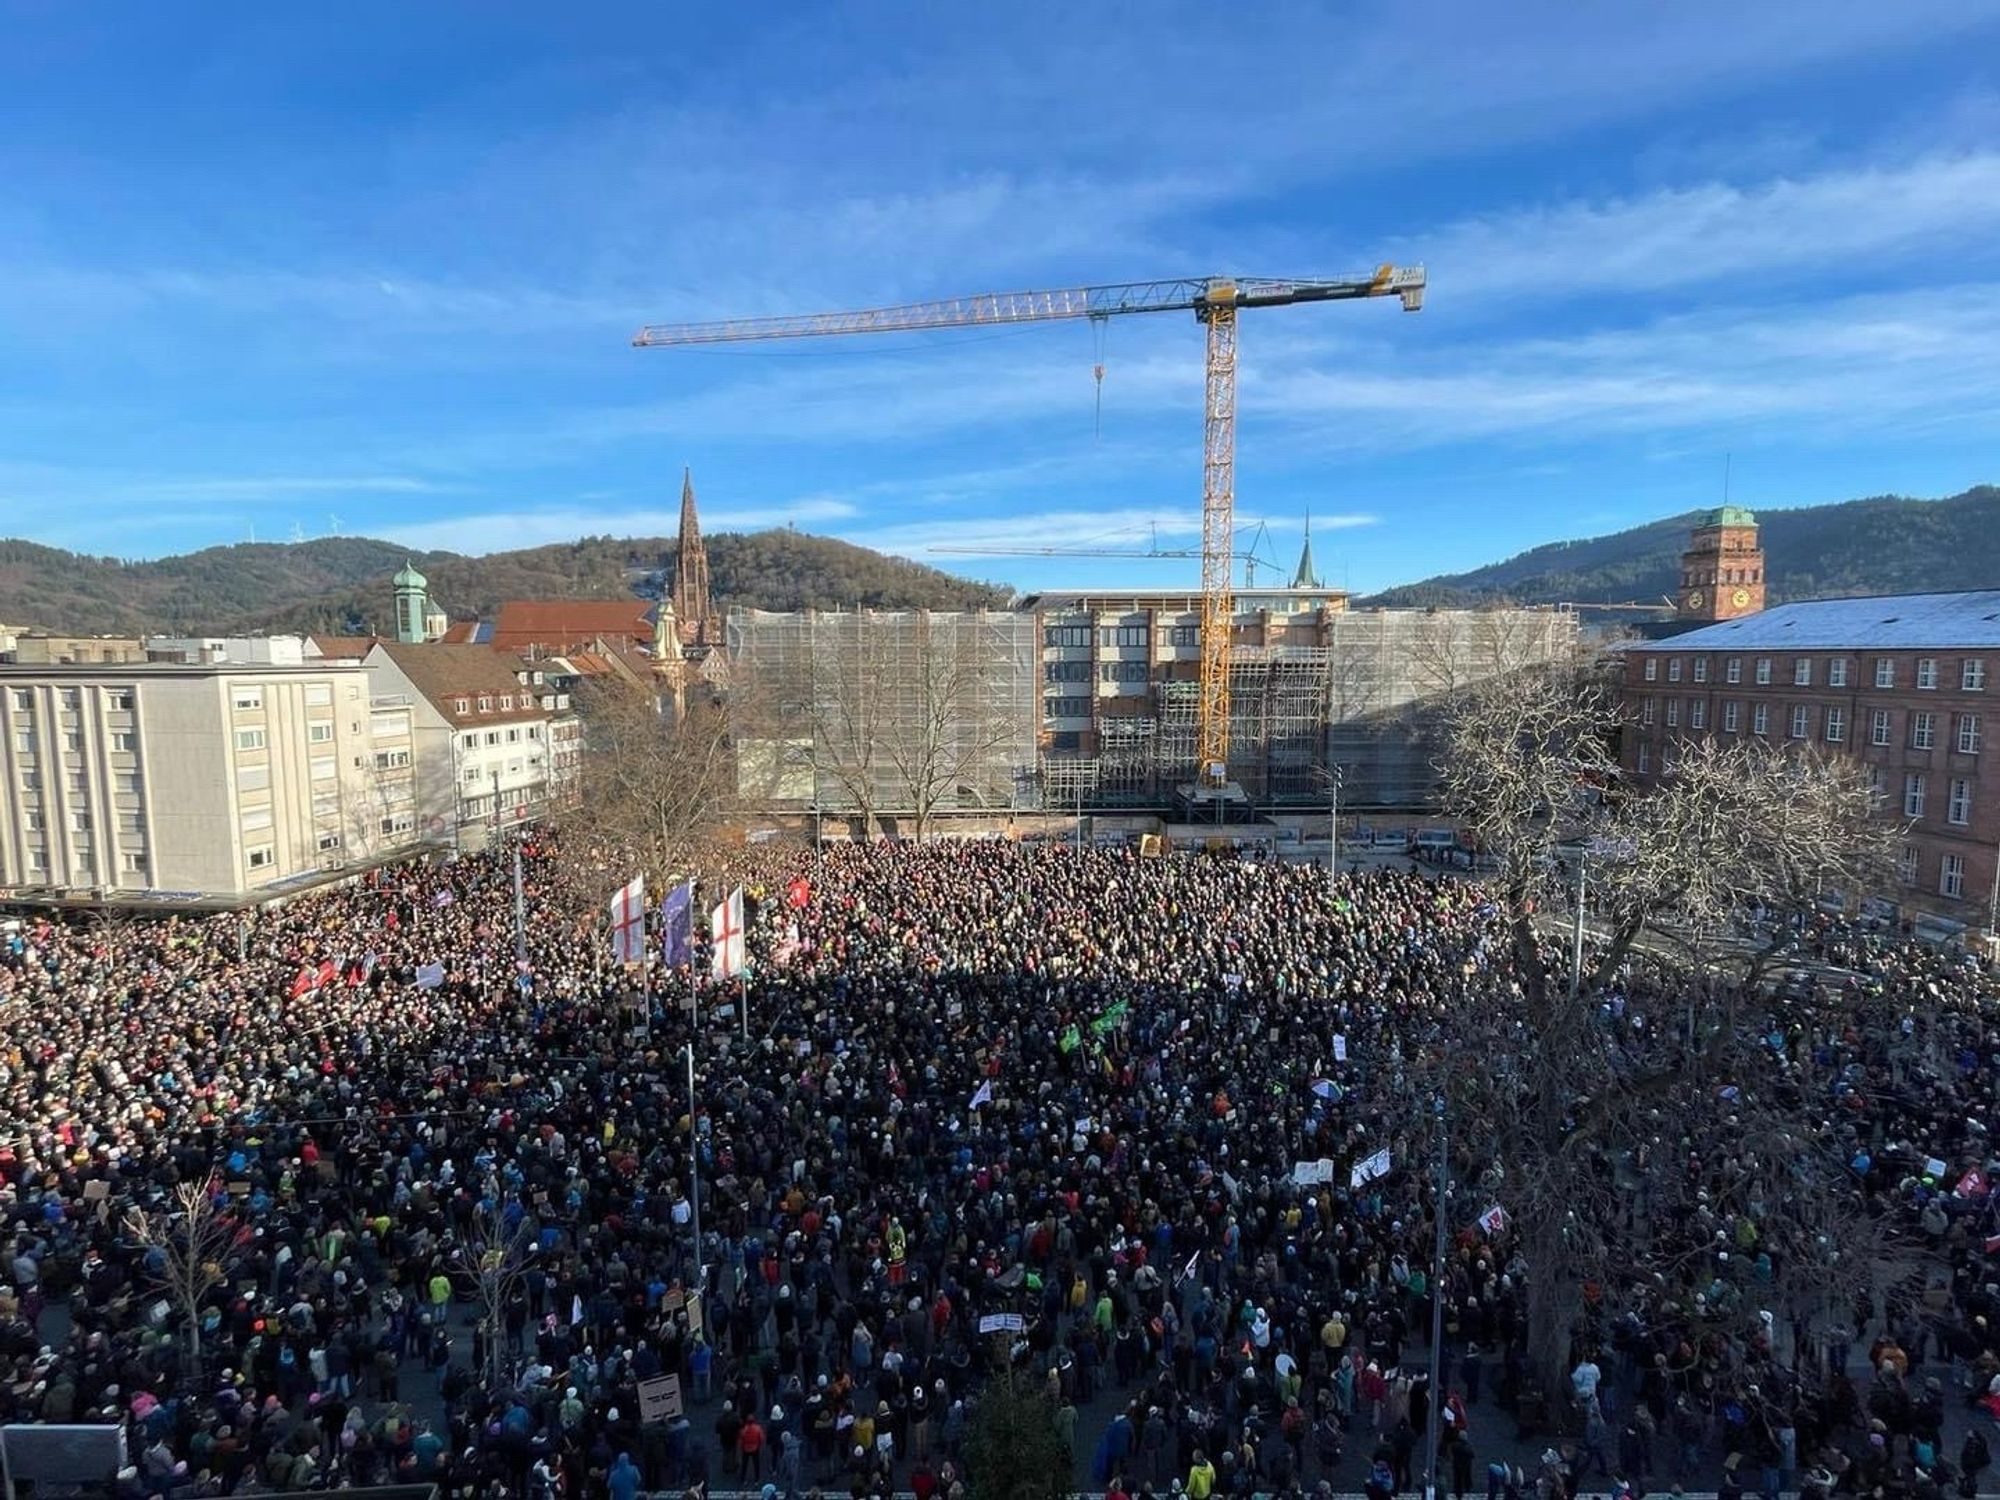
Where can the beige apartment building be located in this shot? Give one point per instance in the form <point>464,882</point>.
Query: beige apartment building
<point>212,780</point>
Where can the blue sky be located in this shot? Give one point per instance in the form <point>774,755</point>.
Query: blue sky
<point>375,268</point>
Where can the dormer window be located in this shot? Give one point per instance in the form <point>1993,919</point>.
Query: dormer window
<point>485,703</point>
<point>461,705</point>
<point>506,702</point>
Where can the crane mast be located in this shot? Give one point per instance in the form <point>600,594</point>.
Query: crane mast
<point>1215,301</point>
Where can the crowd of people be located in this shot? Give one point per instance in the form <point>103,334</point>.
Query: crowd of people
<point>1107,1127</point>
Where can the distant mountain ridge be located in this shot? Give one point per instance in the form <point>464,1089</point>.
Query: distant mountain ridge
<point>340,584</point>
<point>1888,544</point>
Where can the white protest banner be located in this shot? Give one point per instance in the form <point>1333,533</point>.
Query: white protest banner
<point>1003,1323</point>
<point>1339,1048</point>
<point>1369,1168</point>
<point>1311,1173</point>
<point>1494,1219</point>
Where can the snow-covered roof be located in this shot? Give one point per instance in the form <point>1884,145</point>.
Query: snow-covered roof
<point>1883,622</point>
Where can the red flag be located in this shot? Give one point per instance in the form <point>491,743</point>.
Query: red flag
<point>301,982</point>
<point>327,972</point>
<point>798,891</point>
<point>1971,1185</point>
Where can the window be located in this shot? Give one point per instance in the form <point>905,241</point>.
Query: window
<point>1836,724</point>
<point>258,858</point>
<point>324,768</point>
<point>253,778</point>
<point>124,739</point>
<point>320,733</point>
<point>72,742</point>
<point>69,700</point>
<point>1927,673</point>
<point>1067,708</point>
<point>388,760</point>
<point>485,703</point>
<point>23,700</point>
<point>513,736</point>
<point>472,776</point>
<point>468,742</point>
<point>1958,807</point>
<point>1972,674</point>
<point>32,821</point>
<point>1763,671</point>
<point>1801,716</point>
<point>389,726</point>
<point>247,697</point>
<point>1732,716</point>
<point>1054,635</point>
<point>1760,718</point>
<point>24,741</point>
<point>1923,731</point>
<point>1645,757</point>
<point>1878,786</point>
<point>319,695</point>
<point>1674,669</point>
<point>1123,671</point>
<point>461,705</point>
<point>135,864</point>
<point>80,821</point>
<point>256,819</point>
<point>534,731</point>
<point>1906,865</point>
<point>400,823</point>
<point>506,703</point>
<point>492,736</point>
<point>119,700</point>
<point>1913,794</point>
<point>1732,670</point>
<point>328,842</point>
<point>1066,671</point>
<point>1885,671</point>
<point>1673,713</point>
<point>1698,713</point>
<point>1646,710</point>
<point>1802,672</point>
<point>1951,876</point>
<point>1878,726</point>
<point>1968,734</point>
<point>1125,635</point>
<point>249,739</point>
<point>1836,672</point>
<point>1652,669</point>
<point>1701,669</point>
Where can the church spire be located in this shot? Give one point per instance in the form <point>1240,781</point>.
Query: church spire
<point>1305,577</point>
<point>691,576</point>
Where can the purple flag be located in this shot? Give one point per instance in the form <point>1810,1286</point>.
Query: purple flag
<point>677,923</point>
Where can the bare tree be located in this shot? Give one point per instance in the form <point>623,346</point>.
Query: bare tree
<point>186,1245</point>
<point>954,715</point>
<point>494,1260</point>
<point>1586,1127</point>
<point>652,790</point>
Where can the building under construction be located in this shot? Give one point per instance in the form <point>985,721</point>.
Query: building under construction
<point>915,713</point>
<point>885,715</point>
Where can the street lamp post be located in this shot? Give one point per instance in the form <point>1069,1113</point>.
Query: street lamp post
<point>1437,1309</point>
<point>1333,823</point>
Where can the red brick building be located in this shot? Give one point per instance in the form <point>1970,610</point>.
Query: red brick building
<point>1904,683</point>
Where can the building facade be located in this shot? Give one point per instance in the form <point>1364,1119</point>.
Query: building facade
<point>480,736</point>
<point>1903,684</point>
<point>204,779</point>
<point>1319,692</point>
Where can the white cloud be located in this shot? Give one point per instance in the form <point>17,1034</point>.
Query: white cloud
<point>1122,530</point>
<point>282,484</point>
<point>1779,231</point>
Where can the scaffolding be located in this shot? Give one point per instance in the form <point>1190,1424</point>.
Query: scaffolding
<point>886,712</point>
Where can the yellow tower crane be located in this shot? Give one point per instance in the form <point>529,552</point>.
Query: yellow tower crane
<point>1215,302</point>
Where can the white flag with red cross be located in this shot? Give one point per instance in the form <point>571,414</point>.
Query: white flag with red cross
<point>725,936</point>
<point>628,923</point>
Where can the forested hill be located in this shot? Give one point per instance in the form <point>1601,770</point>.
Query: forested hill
<point>1885,545</point>
<point>342,583</point>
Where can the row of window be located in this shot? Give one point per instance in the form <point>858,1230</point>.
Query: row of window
<point>1923,724</point>
<point>493,736</point>
<point>485,701</point>
<point>1971,671</point>
<point>118,700</point>
<point>1118,635</point>
<point>118,739</point>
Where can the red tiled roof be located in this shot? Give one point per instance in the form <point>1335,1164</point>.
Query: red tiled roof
<point>450,675</point>
<point>459,633</point>
<point>345,647</point>
<point>557,624</point>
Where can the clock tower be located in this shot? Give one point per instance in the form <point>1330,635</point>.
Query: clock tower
<point>1722,571</point>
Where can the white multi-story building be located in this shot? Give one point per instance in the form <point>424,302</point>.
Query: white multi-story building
<point>218,780</point>
<point>480,735</point>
